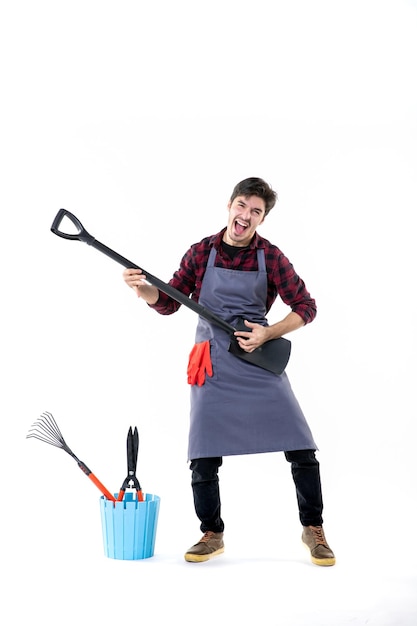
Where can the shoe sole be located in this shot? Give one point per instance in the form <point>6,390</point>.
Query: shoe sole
<point>200,558</point>
<point>325,562</point>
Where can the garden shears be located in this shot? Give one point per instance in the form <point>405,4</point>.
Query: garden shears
<point>131,481</point>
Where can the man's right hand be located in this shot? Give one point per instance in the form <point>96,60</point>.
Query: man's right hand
<point>136,280</point>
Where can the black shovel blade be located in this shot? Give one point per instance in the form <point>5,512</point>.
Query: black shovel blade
<point>272,355</point>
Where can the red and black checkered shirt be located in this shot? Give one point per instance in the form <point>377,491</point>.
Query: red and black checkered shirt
<point>282,278</point>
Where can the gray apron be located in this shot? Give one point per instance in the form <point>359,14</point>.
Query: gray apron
<point>242,408</point>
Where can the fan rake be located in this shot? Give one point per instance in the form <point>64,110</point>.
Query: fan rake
<point>46,429</point>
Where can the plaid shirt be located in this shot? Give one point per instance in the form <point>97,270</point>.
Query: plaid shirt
<point>282,278</point>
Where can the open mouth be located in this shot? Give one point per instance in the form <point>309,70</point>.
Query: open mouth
<point>240,227</point>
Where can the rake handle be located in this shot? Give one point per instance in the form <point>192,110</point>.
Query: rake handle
<point>96,481</point>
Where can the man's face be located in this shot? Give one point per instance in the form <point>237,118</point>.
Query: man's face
<point>245,215</point>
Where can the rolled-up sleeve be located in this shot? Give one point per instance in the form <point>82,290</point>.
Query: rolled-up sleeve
<point>183,280</point>
<point>293,291</point>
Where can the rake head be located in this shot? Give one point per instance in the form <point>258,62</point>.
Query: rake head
<point>46,429</point>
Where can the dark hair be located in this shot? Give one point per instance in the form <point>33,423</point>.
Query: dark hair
<point>256,187</point>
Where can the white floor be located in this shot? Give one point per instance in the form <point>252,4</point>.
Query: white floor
<point>55,571</point>
<point>69,587</point>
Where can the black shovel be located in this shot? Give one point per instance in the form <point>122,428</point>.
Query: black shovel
<point>273,355</point>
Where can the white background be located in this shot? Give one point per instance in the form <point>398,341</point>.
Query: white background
<point>140,118</point>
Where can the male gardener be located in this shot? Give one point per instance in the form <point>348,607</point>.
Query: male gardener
<point>236,406</point>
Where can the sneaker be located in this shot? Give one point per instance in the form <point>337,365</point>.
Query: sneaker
<point>313,537</point>
<point>210,545</point>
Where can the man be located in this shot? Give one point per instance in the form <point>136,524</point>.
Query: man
<point>236,406</point>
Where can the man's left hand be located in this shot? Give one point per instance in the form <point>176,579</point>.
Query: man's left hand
<point>254,337</point>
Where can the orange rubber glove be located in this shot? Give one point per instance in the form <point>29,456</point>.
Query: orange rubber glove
<point>199,364</point>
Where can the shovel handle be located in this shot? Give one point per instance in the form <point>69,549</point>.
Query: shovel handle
<point>272,356</point>
<point>83,235</point>
<point>80,235</point>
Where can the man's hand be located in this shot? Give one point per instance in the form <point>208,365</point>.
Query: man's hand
<point>136,280</point>
<point>254,337</point>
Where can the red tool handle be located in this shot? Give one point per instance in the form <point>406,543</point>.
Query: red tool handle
<point>122,493</point>
<point>102,488</point>
<point>94,479</point>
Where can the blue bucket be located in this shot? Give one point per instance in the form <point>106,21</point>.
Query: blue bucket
<point>129,526</point>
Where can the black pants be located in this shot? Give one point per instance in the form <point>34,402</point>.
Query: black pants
<point>306,474</point>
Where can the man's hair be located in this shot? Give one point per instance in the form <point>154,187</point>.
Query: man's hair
<point>256,187</point>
